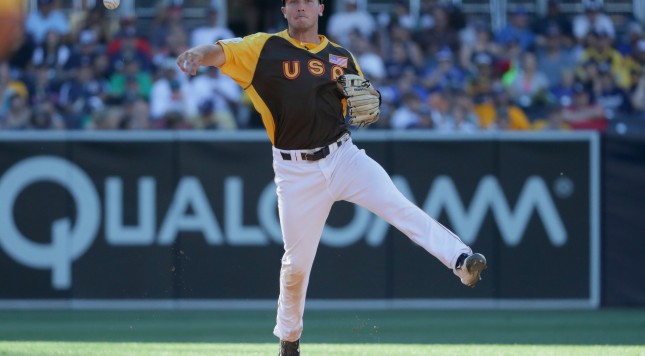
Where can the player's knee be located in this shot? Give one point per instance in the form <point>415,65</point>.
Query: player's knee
<point>293,275</point>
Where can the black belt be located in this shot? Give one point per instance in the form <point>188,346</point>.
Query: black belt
<point>313,156</point>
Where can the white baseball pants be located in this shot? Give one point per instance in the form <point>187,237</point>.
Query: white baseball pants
<point>306,192</point>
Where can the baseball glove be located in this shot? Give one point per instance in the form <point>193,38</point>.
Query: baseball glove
<point>362,102</point>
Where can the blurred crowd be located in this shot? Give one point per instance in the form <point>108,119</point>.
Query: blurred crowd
<point>443,70</point>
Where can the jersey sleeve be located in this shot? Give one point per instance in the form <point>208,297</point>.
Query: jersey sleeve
<point>242,56</point>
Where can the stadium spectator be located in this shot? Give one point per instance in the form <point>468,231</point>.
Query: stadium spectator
<point>82,95</point>
<point>102,66</point>
<point>452,112</point>
<point>529,87</point>
<point>554,121</point>
<point>136,115</point>
<point>593,20</point>
<point>480,83</point>
<point>456,17</point>
<point>390,101</point>
<point>52,53</point>
<point>401,38</point>
<point>170,18</point>
<point>130,82</point>
<point>483,44</point>
<point>8,87</point>
<point>425,9</point>
<point>212,31</point>
<point>175,43</point>
<point>46,117</point>
<point>174,120</point>
<point>600,50</point>
<point>635,63</point>
<point>95,20</point>
<point>244,16</point>
<point>628,42</point>
<point>370,61</point>
<point>638,96</point>
<point>219,89</point>
<point>17,115</point>
<point>410,114</point>
<point>497,112</point>
<point>509,62</point>
<point>517,30</point>
<point>129,46</point>
<point>111,118</point>
<point>127,30</point>
<point>440,111</point>
<point>85,51</point>
<point>42,88</point>
<point>169,94</point>
<point>446,75</point>
<point>399,13</point>
<point>399,62</point>
<point>462,121</point>
<point>441,35</point>
<point>587,74</point>
<point>464,102</point>
<point>20,60</point>
<point>561,92</point>
<point>584,114</point>
<point>613,99</point>
<point>553,19</point>
<point>251,16</point>
<point>409,81</point>
<point>553,56</point>
<point>343,22</point>
<point>211,118</point>
<point>46,18</point>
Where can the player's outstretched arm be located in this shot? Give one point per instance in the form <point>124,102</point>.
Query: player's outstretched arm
<point>204,55</point>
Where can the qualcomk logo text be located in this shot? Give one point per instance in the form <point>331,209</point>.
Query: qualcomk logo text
<point>191,210</point>
<point>69,240</point>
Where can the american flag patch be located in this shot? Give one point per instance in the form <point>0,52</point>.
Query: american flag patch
<point>338,60</point>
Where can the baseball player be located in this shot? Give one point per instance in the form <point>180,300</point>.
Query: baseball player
<point>304,87</point>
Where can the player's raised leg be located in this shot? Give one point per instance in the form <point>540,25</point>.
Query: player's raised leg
<point>366,183</point>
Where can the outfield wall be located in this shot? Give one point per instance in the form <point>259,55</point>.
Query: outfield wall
<point>623,216</point>
<point>189,219</point>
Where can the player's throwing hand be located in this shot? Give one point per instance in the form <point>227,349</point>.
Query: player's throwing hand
<point>189,62</point>
<point>205,55</point>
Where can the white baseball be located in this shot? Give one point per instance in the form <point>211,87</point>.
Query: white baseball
<point>111,4</point>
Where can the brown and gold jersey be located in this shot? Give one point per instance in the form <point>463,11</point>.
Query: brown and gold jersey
<point>292,86</point>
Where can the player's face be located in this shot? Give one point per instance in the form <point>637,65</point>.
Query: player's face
<point>302,14</point>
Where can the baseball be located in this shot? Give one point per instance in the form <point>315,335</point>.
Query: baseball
<point>111,4</point>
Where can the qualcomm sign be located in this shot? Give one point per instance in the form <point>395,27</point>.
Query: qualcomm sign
<point>190,210</point>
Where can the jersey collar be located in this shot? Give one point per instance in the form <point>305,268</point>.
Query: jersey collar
<point>308,46</point>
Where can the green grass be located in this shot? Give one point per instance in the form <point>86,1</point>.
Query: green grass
<point>158,349</point>
<point>362,332</point>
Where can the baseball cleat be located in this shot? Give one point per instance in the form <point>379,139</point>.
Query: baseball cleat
<point>470,269</point>
<point>289,348</point>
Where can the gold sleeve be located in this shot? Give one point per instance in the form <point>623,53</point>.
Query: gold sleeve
<point>242,56</point>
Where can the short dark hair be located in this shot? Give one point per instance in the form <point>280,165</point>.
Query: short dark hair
<point>320,1</point>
